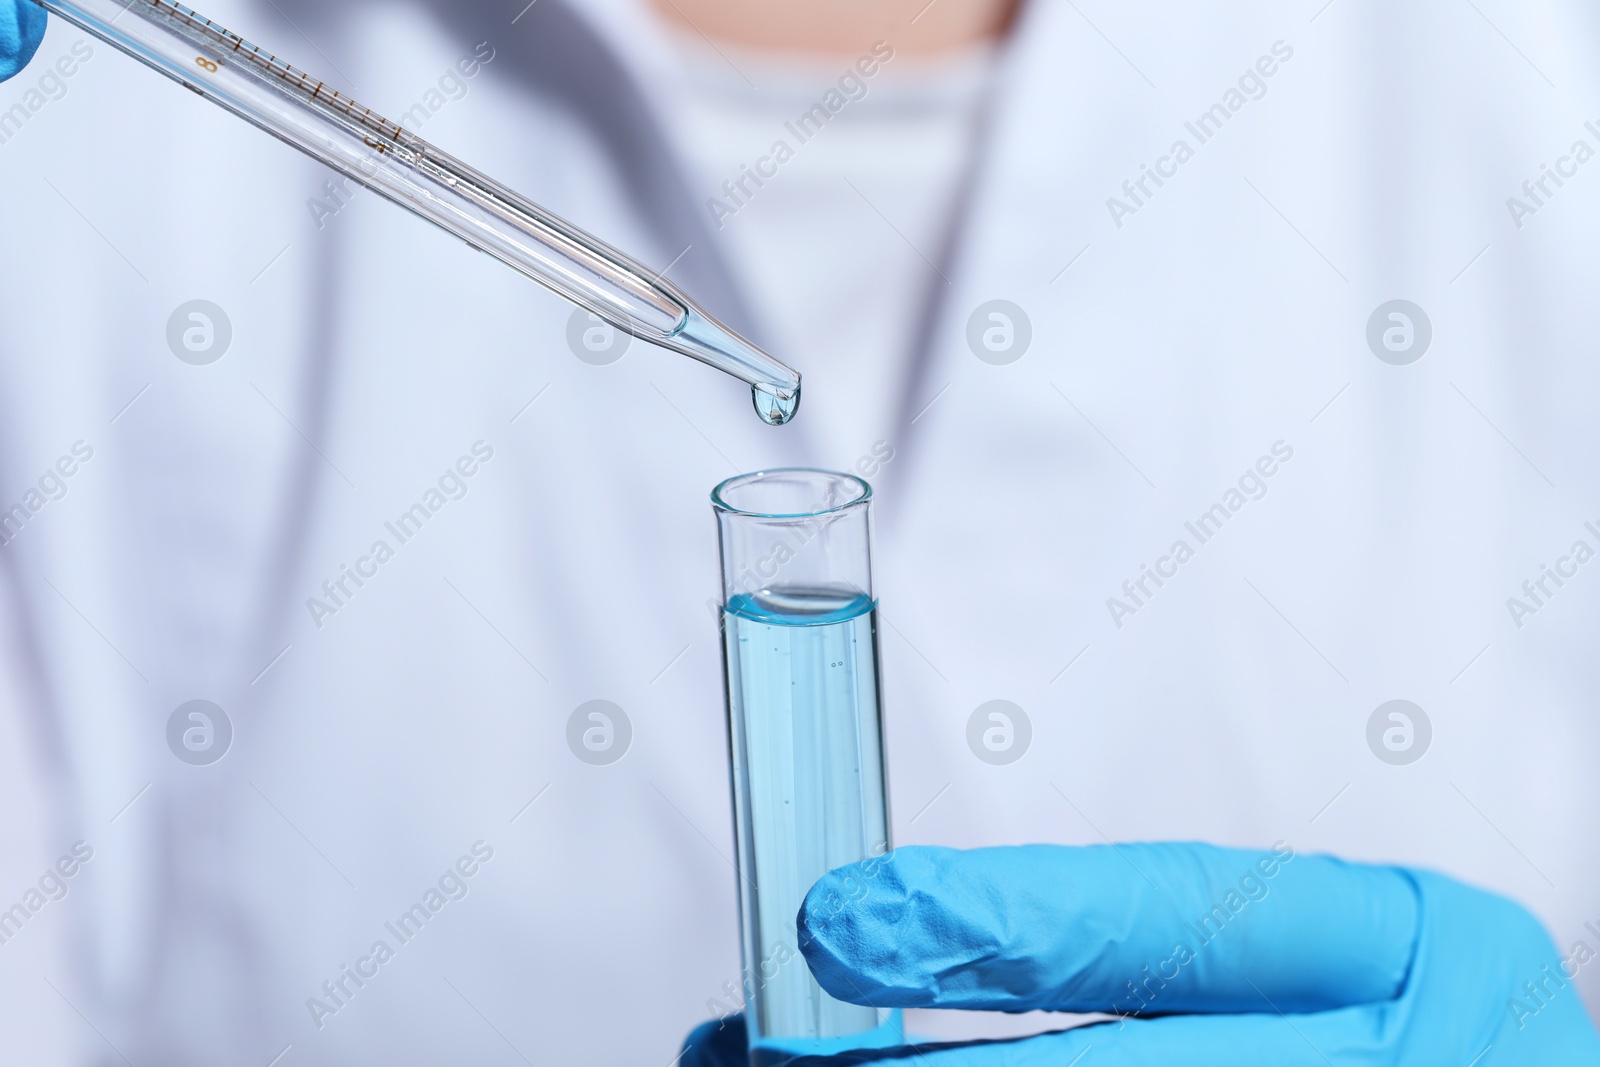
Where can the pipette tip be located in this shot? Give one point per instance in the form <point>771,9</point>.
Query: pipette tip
<point>774,387</point>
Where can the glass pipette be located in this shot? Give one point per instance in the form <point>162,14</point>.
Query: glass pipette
<point>381,155</point>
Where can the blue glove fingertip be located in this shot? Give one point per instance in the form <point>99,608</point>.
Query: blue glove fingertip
<point>718,1043</point>
<point>856,927</point>
<point>21,32</point>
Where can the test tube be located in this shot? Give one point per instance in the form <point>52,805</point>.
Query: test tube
<point>805,736</point>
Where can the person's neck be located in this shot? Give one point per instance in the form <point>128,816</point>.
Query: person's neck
<point>844,27</point>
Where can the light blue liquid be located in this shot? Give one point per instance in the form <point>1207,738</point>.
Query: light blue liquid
<point>808,790</point>
<point>774,409</point>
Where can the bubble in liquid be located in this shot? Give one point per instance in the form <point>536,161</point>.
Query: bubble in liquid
<point>774,409</point>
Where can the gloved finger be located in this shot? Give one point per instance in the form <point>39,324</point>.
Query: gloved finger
<point>1125,929</point>
<point>718,1043</point>
<point>21,31</point>
<point>1341,1039</point>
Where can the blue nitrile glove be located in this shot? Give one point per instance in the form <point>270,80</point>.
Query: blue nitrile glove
<point>1211,956</point>
<point>21,30</point>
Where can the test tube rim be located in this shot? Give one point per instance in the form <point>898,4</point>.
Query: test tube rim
<point>721,505</point>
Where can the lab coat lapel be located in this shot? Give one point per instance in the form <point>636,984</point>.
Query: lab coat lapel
<point>577,60</point>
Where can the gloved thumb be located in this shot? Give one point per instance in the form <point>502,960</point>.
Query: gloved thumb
<point>1109,928</point>
<point>21,31</point>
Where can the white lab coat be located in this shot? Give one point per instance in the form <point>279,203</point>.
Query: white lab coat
<point>372,752</point>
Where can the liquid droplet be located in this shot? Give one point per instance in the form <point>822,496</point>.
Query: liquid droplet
<point>775,410</point>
